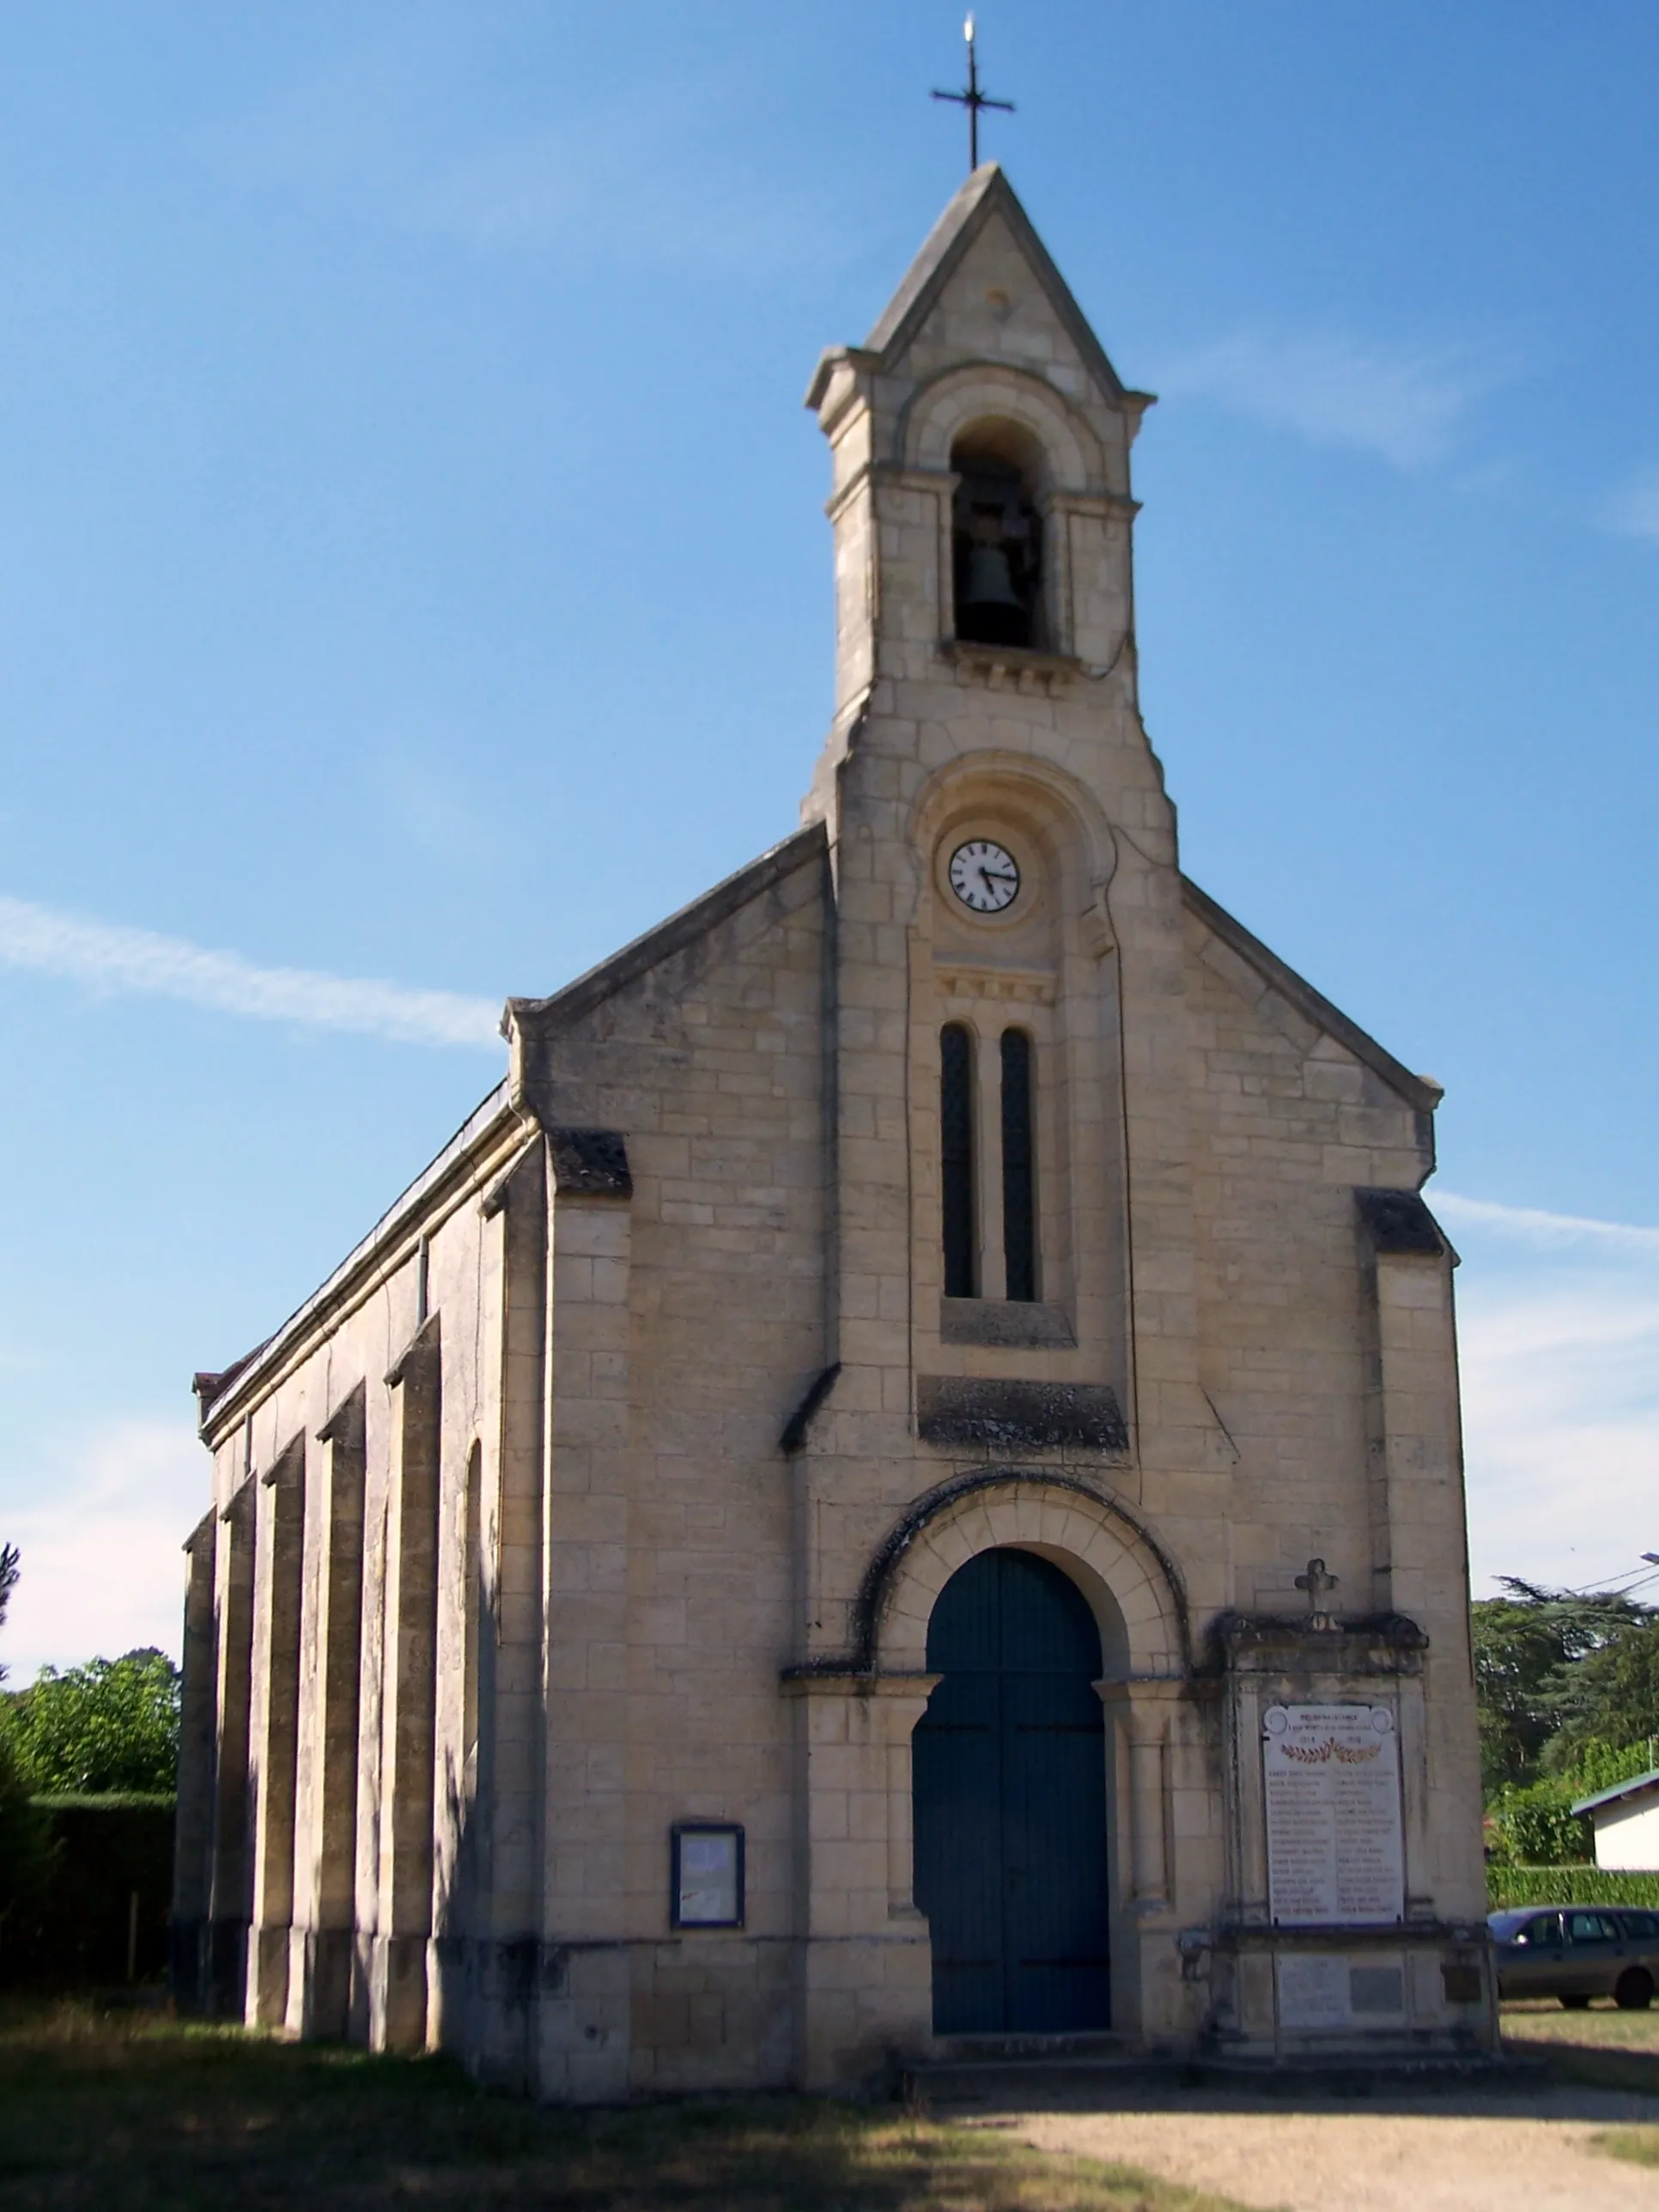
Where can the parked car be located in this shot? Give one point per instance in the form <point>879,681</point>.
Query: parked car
<point>1576,1951</point>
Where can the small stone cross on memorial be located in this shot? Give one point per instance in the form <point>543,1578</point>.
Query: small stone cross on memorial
<point>1318,1584</point>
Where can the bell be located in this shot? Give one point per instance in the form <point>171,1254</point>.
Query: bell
<point>990,581</point>
<point>992,611</point>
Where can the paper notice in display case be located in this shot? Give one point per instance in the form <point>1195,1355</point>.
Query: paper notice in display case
<point>1335,1850</point>
<point>708,1876</point>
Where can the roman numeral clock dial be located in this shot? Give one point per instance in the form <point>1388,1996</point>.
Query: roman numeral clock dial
<point>984,876</point>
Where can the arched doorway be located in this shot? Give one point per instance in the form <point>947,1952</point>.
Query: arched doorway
<point>1010,1782</point>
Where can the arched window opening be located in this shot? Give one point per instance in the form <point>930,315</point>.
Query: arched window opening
<point>996,540</point>
<point>956,1118</point>
<point>1019,1241</point>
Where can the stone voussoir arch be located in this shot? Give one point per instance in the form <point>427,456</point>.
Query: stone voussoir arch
<point>976,391</point>
<point>1063,808</point>
<point>1062,1516</point>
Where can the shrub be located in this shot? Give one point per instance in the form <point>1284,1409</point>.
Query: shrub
<point>25,1852</point>
<point>110,1886</point>
<point>1536,1826</point>
<point>1576,1884</point>
<point>110,1725</point>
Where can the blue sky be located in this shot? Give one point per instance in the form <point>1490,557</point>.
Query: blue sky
<point>414,582</point>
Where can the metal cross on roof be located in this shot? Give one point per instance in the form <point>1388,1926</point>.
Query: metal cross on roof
<point>973,99</point>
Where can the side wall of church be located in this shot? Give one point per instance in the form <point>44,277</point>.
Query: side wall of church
<point>354,1642</point>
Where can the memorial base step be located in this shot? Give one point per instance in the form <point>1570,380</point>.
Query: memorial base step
<point>1121,2078</point>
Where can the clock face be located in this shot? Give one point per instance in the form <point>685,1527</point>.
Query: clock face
<point>984,876</point>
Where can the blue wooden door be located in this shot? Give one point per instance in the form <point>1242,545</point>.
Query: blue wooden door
<point>1010,1781</point>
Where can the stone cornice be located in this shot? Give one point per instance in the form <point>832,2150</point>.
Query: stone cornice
<point>1017,666</point>
<point>474,1157</point>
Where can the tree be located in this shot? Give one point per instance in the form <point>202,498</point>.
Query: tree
<point>1610,1696</point>
<point>10,1568</point>
<point>1529,1648</point>
<point>25,1838</point>
<point>111,1724</point>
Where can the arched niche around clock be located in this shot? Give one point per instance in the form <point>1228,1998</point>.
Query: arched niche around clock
<point>997,536</point>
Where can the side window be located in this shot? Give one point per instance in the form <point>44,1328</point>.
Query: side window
<point>1642,1925</point>
<point>1590,1928</point>
<point>1545,1927</point>
<point>956,1124</point>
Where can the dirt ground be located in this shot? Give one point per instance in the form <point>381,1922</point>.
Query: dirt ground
<point>1470,2155</point>
<point>1530,2149</point>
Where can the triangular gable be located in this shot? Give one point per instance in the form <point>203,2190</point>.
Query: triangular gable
<point>542,1016</point>
<point>986,193</point>
<point>1420,1092</point>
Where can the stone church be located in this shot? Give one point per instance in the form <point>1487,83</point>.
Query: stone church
<point>895,1489</point>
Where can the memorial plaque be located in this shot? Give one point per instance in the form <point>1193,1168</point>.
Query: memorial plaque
<point>1336,1853</point>
<point>1313,1991</point>
<point>1324,1989</point>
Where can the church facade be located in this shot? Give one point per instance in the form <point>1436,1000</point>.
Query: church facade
<point>896,1488</point>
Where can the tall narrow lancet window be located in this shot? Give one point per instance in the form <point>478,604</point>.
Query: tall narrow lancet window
<point>1019,1247</point>
<point>956,1118</point>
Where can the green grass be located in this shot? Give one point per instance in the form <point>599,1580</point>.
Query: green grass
<point>1602,2025</point>
<point>1600,2048</point>
<point>1639,2145</point>
<point>127,2112</point>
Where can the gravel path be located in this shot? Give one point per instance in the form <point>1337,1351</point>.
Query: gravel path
<point>1471,2153</point>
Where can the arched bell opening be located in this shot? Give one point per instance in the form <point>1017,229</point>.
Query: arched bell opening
<point>996,536</point>
<point>1010,1781</point>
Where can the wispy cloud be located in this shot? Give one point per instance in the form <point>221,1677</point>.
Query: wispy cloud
<point>1405,403</point>
<point>99,1533</point>
<point>1561,1420</point>
<point>109,957</point>
<point>1559,1338</point>
<point>1537,1227</point>
<point>1633,511</point>
<point>424,794</point>
<point>600,190</point>
<point>657,172</point>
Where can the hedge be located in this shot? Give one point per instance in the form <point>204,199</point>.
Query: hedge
<point>107,1850</point>
<point>1568,1884</point>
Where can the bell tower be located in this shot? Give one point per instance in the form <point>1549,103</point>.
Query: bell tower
<point>981,499</point>
<point>1013,1191</point>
